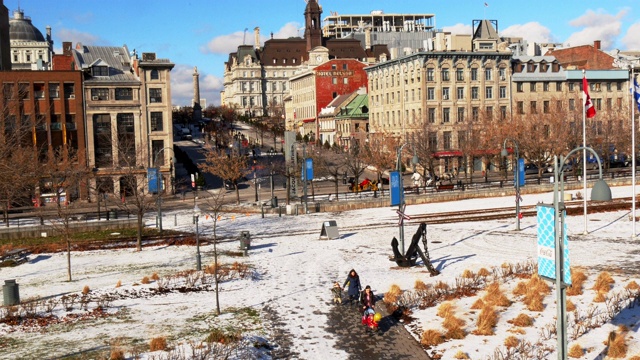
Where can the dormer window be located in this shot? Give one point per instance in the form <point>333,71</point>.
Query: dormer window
<point>154,75</point>
<point>100,71</point>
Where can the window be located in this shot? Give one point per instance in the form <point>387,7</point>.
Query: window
<point>459,74</point>
<point>503,92</point>
<point>597,103</point>
<point>462,138</point>
<point>475,111</point>
<point>533,107</point>
<point>156,121</point>
<point>572,104</point>
<point>609,86</point>
<point>520,107</point>
<point>38,90</point>
<point>488,92</point>
<point>126,140</point>
<point>619,85</point>
<point>531,67</point>
<point>433,140</point>
<point>334,81</point>
<point>503,112</point>
<point>344,67</point>
<point>445,93</point>
<point>345,81</point>
<point>487,74</point>
<point>519,87</point>
<point>431,115</point>
<point>571,86</point>
<point>460,93</point>
<point>545,86</point>
<point>474,92</point>
<point>102,139</point>
<point>446,140</point>
<point>100,94</point>
<point>431,93</point>
<point>474,74</point>
<point>503,74</point>
<point>154,74</point>
<point>69,91</point>
<point>155,95</point>
<point>445,74</point>
<point>430,74</point>
<point>558,105</point>
<point>545,106</point>
<point>100,71</point>
<point>156,148</point>
<point>54,90</point>
<point>489,112</point>
<point>532,86</point>
<point>558,86</point>
<point>609,103</point>
<point>445,115</point>
<point>124,94</point>
<point>23,91</point>
<point>460,114</point>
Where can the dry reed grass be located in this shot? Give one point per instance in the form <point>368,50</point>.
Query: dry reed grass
<point>540,285</point>
<point>431,337</point>
<point>576,351</point>
<point>468,274</point>
<point>116,354</point>
<point>520,289</point>
<point>478,304</point>
<point>522,320</point>
<point>483,272</point>
<point>155,277</point>
<point>461,355</point>
<point>145,280</point>
<point>577,280</point>
<point>603,282</point>
<point>570,305</point>
<point>391,296</point>
<point>86,290</point>
<point>632,285</point>
<point>442,286</point>
<point>452,322</point>
<point>420,286</point>
<point>445,309</point>
<point>158,343</point>
<point>456,333</point>
<point>617,343</point>
<point>487,319</point>
<point>600,297</point>
<point>511,342</point>
<point>533,300</point>
<point>118,284</point>
<point>495,296</point>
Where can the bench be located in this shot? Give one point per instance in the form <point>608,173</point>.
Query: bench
<point>443,187</point>
<point>14,257</point>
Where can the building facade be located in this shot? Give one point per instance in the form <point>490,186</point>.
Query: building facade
<point>30,50</point>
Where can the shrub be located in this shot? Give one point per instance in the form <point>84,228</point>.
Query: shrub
<point>431,337</point>
<point>159,343</point>
<point>452,322</point>
<point>603,282</point>
<point>478,304</point>
<point>617,344</point>
<point>442,286</point>
<point>445,309</point>
<point>118,284</point>
<point>495,296</point>
<point>600,298</point>
<point>145,280</point>
<point>521,288</point>
<point>155,277</point>
<point>533,300</point>
<point>570,305</point>
<point>420,285</point>
<point>483,272</point>
<point>632,285</point>
<point>455,333</point>
<point>461,355</point>
<point>391,296</point>
<point>219,336</point>
<point>116,354</point>
<point>487,319</point>
<point>511,342</point>
<point>522,320</point>
<point>85,290</point>
<point>577,279</point>
<point>576,351</point>
<point>468,274</point>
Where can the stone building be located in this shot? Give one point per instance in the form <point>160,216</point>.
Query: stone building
<point>30,50</point>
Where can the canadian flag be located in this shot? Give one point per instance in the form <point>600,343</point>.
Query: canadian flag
<point>589,110</point>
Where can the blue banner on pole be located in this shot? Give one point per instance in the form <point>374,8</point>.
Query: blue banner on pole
<point>547,245</point>
<point>152,177</point>
<point>520,170</point>
<point>309,169</point>
<point>395,186</point>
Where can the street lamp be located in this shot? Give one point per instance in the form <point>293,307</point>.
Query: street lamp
<point>196,218</point>
<point>599,192</point>
<point>159,200</point>
<point>402,204</point>
<point>255,184</point>
<point>504,153</point>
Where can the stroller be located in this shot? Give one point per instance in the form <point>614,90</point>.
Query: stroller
<point>370,318</point>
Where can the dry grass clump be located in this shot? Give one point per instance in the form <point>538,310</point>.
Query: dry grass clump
<point>442,286</point>
<point>600,297</point>
<point>461,355</point>
<point>116,354</point>
<point>520,289</point>
<point>603,282</point>
<point>452,322</point>
<point>478,304</point>
<point>487,319</point>
<point>632,285</point>
<point>570,306</point>
<point>495,296</point>
<point>455,333</point>
<point>391,296</point>
<point>86,290</point>
<point>577,280</point>
<point>145,280</point>
<point>576,351</point>
<point>420,286</point>
<point>533,300</point>
<point>617,343</point>
<point>521,320</point>
<point>468,274</point>
<point>118,284</point>
<point>635,357</point>
<point>155,277</point>
<point>540,285</point>
<point>159,343</point>
<point>445,309</point>
<point>511,342</point>
<point>431,337</point>
<point>483,272</point>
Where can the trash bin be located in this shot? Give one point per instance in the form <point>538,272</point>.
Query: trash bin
<point>245,240</point>
<point>274,202</point>
<point>113,213</point>
<point>11,293</point>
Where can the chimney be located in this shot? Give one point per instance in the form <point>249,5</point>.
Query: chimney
<point>596,44</point>
<point>256,33</point>
<point>66,48</point>
<point>367,39</point>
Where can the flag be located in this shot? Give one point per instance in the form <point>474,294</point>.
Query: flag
<point>486,5</point>
<point>588,105</point>
<point>636,92</point>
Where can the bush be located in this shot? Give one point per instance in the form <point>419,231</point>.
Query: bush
<point>522,320</point>
<point>431,337</point>
<point>145,280</point>
<point>86,290</point>
<point>576,351</point>
<point>511,342</point>
<point>487,319</point>
<point>159,343</point>
<point>391,296</point>
<point>603,282</point>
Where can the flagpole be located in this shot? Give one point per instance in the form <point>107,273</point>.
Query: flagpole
<point>633,152</point>
<point>584,151</point>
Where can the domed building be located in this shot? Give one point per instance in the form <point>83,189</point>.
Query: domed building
<point>29,48</point>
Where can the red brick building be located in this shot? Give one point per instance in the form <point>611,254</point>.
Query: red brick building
<point>584,57</point>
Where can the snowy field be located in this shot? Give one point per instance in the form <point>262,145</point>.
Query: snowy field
<point>292,271</point>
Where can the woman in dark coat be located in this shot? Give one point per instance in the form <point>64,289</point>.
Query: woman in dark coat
<point>367,299</point>
<point>354,287</point>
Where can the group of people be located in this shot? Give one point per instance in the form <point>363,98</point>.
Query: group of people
<point>365,298</point>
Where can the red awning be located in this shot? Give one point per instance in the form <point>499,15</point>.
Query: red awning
<point>444,154</point>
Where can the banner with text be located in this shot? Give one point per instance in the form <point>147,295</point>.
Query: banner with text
<point>547,244</point>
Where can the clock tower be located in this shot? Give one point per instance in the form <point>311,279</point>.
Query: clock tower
<point>313,28</point>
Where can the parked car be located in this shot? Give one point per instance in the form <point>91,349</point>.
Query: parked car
<point>185,134</point>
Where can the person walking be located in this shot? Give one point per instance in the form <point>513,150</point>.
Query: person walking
<point>352,284</point>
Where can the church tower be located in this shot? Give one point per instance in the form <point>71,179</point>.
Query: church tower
<point>313,27</point>
<point>197,109</point>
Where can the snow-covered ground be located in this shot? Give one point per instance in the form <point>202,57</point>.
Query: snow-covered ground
<point>292,273</point>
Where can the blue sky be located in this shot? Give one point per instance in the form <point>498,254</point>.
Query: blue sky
<point>203,32</point>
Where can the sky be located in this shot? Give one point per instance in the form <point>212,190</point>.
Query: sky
<point>202,33</point>
<point>292,271</point>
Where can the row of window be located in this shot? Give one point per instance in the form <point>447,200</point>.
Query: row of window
<point>546,105</point>
<point>10,122</point>
<point>445,75</point>
<point>106,94</point>
<point>23,91</point>
<point>572,86</point>
<point>102,122</point>
<point>27,56</point>
<point>445,115</point>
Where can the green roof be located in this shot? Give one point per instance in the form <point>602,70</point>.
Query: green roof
<point>357,108</point>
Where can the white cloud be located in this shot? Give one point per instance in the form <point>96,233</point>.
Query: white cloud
<point>182,86</point>
<point>75,36</point>
<point>229,43</point>
<point>632,40</point>
<point>596,26</point>
<point>459,29</point>
<point>531,31</point>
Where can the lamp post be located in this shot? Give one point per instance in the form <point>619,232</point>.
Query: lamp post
<point>402,204</point>
<point>599,192</point>
<point>159,200</point>
<point>504,153</point>
<point>196,219</point>
<point>255,183</point>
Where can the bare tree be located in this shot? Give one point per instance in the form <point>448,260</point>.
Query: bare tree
<point>330,163</point>
<point>380,152</point>
<point>227,166</point>
<point>355,163</point>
